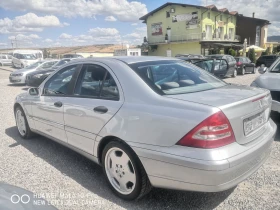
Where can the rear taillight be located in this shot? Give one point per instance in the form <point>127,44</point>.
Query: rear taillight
<point>239,63</point>
<point>213,132</point>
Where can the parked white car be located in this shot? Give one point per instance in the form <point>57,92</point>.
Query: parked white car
<point>5,59</point>
<point>24,58</point>
<point>19,76</point>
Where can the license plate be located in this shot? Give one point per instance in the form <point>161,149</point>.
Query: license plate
<point>252,123</point>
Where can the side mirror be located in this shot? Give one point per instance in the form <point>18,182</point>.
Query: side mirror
<point>262,66</point>
<point>262,70</point>
<point>33,91</point>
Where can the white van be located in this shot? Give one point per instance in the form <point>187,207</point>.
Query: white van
<point>24,58</point>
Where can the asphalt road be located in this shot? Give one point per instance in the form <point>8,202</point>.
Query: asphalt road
<point>70,181</point>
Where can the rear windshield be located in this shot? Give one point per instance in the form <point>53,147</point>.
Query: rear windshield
<point>175,77</point>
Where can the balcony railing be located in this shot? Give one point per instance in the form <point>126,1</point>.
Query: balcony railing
<point>175,38</point>
<point>192,37</point>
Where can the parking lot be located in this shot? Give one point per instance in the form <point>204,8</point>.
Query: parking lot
<point>43,166</point>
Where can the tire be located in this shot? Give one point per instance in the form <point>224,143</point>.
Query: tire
<point>254,70</point>
<point>24,131</point>
<point>13,65</point>
<point>22,66</point>
<point>234,73</point>
<point>243,71</point>
<point>114,157</point>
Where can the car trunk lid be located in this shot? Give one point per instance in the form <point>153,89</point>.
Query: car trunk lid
<point>242,105</point>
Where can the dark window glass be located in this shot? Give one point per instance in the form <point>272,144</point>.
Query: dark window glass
<point>95,81</point>
<point>173,77</point>
<point>59,83</point>
<point>109,89</point>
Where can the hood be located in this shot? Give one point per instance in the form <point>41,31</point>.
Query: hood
<point>269,81</point>
<point>220,96</point>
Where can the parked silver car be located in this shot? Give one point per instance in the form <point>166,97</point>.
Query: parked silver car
<point>152,121</point>
<point>270,79</point>
<point>19,76</point>
<point>5,60</point>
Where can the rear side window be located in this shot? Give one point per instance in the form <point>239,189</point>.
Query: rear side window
<point>96,82</point>
<point>175,77</point>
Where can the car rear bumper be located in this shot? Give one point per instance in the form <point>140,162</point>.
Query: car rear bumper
<point>275,106</point>
<point>181,173</point>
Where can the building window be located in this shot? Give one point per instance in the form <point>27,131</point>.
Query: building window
<point>221,18</point>
<point>208,15</point>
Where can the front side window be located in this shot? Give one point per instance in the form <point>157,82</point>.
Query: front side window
<point>276,68</point>
<point>175,77</point>
<point>96,82</point>
<point>59,83</point>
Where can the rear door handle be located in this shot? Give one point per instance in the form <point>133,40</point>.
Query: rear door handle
<point>100,109</point>
<point>58,104</point>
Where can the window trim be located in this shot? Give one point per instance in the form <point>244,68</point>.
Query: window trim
<point>70,89</point>
<point>94,97</point>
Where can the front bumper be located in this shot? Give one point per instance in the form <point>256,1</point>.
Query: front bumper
<point>170,171</point>
<point>275,106</point>
<point>17,79</point>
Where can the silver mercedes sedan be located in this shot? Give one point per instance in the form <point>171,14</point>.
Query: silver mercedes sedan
<point>152,122</point>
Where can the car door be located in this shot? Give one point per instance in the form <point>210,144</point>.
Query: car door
<point>230,66</point>
<point>49,107</point>
<point>97,97</point>
<point>249,65</point>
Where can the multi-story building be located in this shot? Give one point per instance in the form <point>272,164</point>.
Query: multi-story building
<point>175,28</point>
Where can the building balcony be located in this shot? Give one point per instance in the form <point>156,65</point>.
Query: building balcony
<point>191,37</point>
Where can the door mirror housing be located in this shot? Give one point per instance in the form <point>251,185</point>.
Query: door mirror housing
<point>262,70</point>
<point>33,91</point>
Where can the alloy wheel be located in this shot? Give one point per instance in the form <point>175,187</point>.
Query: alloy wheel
<point>120,170</point>
<point>21,124</point>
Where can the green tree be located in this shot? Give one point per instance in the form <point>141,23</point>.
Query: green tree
<point>252,55</point>
<point>232,52</point>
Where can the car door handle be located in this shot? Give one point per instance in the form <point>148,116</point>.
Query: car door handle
<point>58,104</point>
<point>100,109</point>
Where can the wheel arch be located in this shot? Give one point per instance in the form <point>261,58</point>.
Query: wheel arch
<point>105,140</point>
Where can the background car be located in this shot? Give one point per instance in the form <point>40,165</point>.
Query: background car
<point>229,69</point>
<point>19,76</point>
<point>152,121</point>
<point>5,59</point>
<point>270,79</point>
<point>72,56</point>
<point>245,65</point>
<point>21,60</point>
<point>266,60</point>
<point>34,79</point>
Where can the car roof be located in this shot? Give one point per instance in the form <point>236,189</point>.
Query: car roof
<point>127,59</point>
